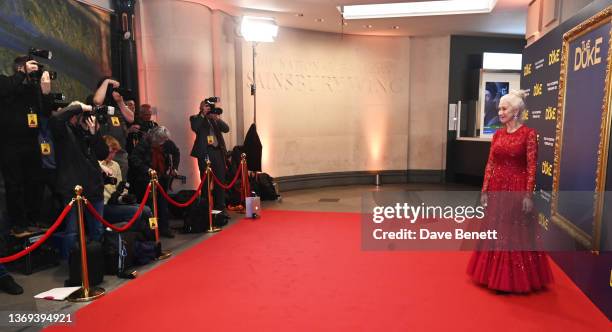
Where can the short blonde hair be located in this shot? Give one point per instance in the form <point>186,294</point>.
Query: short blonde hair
<point>112,142</point>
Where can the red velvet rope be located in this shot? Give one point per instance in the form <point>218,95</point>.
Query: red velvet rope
<point>217,181</point>
<point>175,203</point>
<point>136,216</point>
<point>40,241</point>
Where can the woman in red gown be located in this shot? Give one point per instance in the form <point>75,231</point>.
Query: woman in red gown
<point>506,192</point>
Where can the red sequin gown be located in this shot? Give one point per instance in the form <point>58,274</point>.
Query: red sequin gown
<point>509,175</point>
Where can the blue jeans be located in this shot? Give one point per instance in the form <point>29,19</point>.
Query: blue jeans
<point>3,271</point>
<point>123,213</point>
<point>95,229</point>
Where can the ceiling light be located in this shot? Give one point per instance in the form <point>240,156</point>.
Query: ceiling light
<point>502,61</point>
<point>258,29</point>
<point>395,27</point>
<point>368,26</point>
<point>422,8</point>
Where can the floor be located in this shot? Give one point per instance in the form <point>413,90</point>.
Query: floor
<point>331,199</point>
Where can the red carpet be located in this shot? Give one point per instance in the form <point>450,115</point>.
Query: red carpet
<point>303,271</point>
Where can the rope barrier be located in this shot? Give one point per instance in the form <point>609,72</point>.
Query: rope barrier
<point>217,181</point>
<point>136,216</point>
<point>178,204</point>
<point>40,241</point>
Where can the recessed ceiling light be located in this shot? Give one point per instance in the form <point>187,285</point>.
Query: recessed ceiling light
<point>368,26</point>
<point>421,8</point>
<point>395,27</point>
<point>319,20</point>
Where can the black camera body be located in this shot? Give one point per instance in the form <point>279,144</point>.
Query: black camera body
<point>122,196</point>
<point>101,113</point>
<point>216,110</point>
<point>212,101</point>
<point>37,75</point>
<point>109,179</point>
<point>125,93</point>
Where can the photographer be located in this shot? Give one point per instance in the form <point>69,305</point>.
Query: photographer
<point>119,204</point>
<point>79,147</point>
<point>24,98</point>
<point>142,124</point>
<point>209,143</point>
<point>109,93</point>
<point>155,152</point>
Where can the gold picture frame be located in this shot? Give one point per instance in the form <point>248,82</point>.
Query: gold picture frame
<point>591,241</point>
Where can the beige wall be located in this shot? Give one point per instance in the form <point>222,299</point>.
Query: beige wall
<point>429,72</point>
<point>330,103</point>
<point>545,15</point>
<point>326,102</point>
<point>175,62</point>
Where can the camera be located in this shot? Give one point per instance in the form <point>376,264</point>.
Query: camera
<point>216,110</point>
<point>109,179</point>
<point>212,101</point>
<point>125,93</point>
<point>101,113</point>
<point>121,195</point>
<point>37,75</point>
<point>40,53</point>
<point>59,99</point>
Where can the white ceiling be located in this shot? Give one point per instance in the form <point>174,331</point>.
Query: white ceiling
<point>508,18</point>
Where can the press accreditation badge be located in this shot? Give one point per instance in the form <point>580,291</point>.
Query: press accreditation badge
<point>32,120</point>
<point>45,149</point>
<point>153,223</point>
<point>115,121</point>
<point>211,139</point>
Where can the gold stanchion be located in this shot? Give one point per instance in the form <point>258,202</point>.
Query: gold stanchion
<point>85,293</point>
<point>209,180</point>
<point>245,180</point>
<point>153,221</point>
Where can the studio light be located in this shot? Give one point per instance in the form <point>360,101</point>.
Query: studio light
<point>258,29</point>
<point>422,8</point>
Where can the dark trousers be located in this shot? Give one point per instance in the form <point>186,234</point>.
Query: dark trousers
<point>22,173</point>
<point>95,229</point>
<point>217,163</point>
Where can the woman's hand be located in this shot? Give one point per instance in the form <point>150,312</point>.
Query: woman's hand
<point>484,199</point>
<point>112,82</point>
<point>527,204</point>
<point>106,170</point>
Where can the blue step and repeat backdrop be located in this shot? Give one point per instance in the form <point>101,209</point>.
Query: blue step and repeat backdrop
<point>567,75</point>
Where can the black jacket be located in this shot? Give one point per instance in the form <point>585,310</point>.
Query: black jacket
<point>141,160</point>
<point>201,127</point>
<point>17,99</point>
<point>77,153</point>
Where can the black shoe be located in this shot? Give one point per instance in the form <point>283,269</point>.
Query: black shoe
<point>167,234</point>
<point>8,284</point>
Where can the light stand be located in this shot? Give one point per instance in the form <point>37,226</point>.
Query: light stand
<point>255,30</point>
